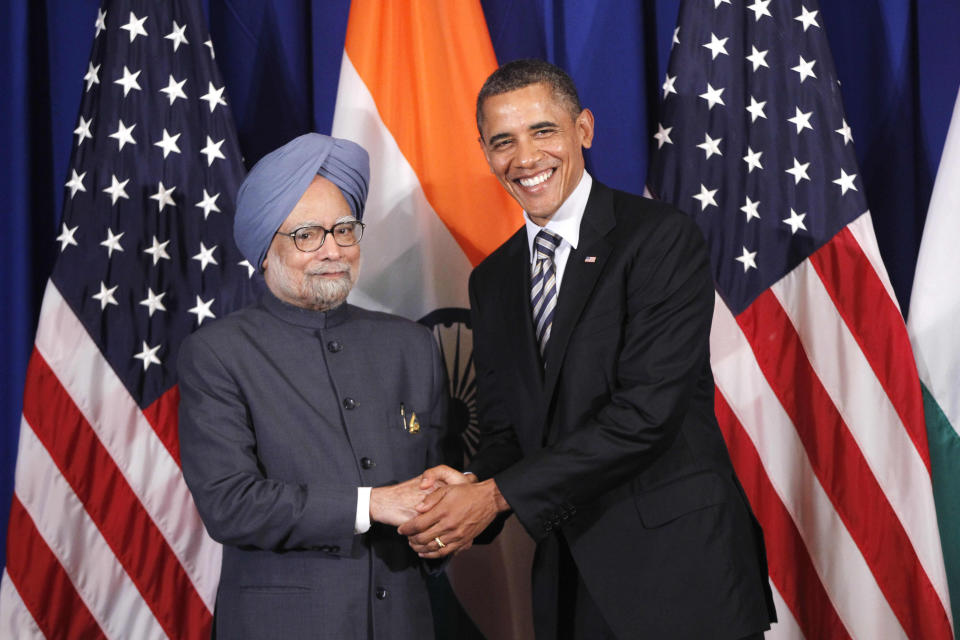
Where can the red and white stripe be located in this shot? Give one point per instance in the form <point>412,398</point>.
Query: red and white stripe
<point>821,408</point>
<point>16,620</point>
<point>116,548</point>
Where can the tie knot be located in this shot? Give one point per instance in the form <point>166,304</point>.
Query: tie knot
<point>546,244</point>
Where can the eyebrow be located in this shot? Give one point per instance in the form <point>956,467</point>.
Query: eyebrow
<point>317,223</point>
<point>305,223</point>
<point>545,124</point>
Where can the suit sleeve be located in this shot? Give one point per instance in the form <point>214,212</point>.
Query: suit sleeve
<point>499,447</point>
<point>663,355</point>
<point>237,503</point>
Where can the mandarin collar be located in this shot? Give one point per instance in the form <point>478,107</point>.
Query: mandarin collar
<point>305,317</point>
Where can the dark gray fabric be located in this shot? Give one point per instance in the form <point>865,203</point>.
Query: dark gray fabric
<point>273,458</point>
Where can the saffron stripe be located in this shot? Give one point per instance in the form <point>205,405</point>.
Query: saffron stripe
<point>42,583</point>
<point>435,54</point>
<point>412,264</point>
<point>790,567</point>
<point>107,497</point>
<point>842,470</point>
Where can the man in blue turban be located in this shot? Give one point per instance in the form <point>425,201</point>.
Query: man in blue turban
<point>280,179</point>
<point>292,409</point>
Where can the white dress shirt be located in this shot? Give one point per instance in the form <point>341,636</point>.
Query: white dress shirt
<point>362,522</point>
<point>565,223</point>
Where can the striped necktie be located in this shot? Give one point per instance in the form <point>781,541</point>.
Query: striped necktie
<point>543,286</point>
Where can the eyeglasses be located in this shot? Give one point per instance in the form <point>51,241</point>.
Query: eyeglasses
<point>310,238</point>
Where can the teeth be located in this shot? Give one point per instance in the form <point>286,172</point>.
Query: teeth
<point>537,179</point>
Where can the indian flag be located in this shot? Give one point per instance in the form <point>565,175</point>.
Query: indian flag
<point>934,327</point>
<point>408,84</point>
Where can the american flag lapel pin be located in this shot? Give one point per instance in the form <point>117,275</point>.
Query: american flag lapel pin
<point>590,259</point>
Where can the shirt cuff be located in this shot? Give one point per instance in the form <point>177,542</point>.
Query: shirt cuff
<point>362,523</point>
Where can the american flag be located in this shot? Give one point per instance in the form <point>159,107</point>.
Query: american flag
<point>817,392</point>
<point>104,539</point>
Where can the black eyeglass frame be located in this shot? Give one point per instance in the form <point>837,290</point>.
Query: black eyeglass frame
<point>293,234</point>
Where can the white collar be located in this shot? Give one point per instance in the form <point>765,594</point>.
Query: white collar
<point>565,222</point>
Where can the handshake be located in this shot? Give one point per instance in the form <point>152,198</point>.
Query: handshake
<point>440,511</point>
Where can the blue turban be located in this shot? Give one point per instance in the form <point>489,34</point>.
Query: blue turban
<point>278,181</point>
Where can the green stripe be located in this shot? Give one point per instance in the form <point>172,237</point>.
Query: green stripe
<point>945,460</point>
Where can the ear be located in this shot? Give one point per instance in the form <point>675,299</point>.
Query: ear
<point>263,267</point>
<point>584,126</point>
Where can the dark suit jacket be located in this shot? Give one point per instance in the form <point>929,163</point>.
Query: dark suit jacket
<point>284,413</point>
<point>615,444</point>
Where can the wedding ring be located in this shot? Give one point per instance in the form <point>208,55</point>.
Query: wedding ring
<point>439,542</point>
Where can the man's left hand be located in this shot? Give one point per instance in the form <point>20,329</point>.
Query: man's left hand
<point>455,515</point>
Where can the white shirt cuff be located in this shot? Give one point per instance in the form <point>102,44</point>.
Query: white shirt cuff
<point>362,522</point>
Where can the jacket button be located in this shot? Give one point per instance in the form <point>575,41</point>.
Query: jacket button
<point>349,403</point>
<point>334,346</point>
<point>381,593</point>
<point>367,463</point>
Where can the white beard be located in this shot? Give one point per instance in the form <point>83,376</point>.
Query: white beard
<point>313,291</point>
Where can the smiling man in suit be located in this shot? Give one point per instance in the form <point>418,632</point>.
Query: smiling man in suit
<point>591,343</point>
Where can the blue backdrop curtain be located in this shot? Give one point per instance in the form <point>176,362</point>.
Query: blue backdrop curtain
<point>896,59</point>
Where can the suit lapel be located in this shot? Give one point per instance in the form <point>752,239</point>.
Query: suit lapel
<point>579,278</point>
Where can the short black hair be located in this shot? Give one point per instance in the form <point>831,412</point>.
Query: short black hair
<point>523,73</point>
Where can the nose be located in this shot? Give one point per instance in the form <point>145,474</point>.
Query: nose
<point>329,250</point>
<point>527,152</point>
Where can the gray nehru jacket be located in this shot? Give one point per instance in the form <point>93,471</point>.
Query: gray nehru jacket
<point>284,412</point>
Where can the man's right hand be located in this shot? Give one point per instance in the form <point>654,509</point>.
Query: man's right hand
<point>453,516</point>
<point>437,476</point>
<point>396,503</point>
